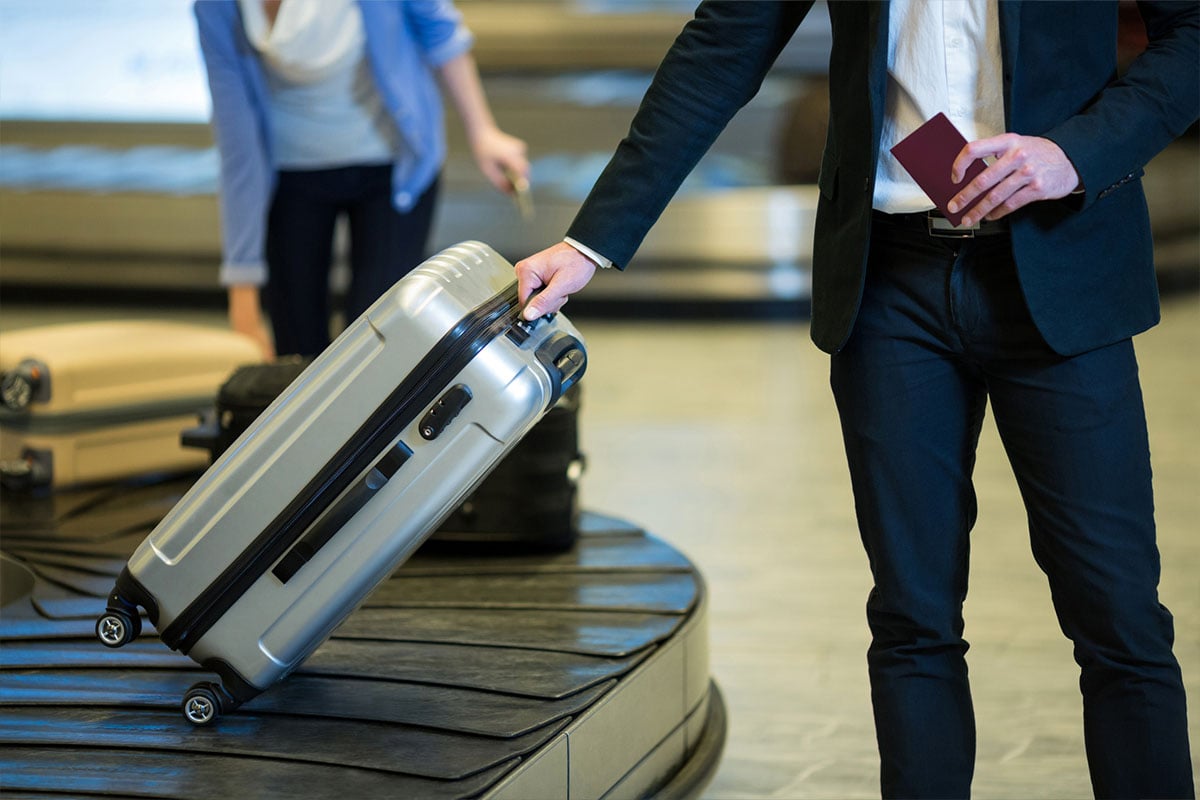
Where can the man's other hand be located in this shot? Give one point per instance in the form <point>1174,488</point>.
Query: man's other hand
<point>1025,169</point>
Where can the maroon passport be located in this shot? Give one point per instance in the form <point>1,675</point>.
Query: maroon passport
<point>928,153</point>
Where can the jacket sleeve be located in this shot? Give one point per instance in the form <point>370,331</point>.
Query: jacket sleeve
<point>438,29</point>
<point>1139,114</point>
<point>715,66</point>
<point>246,176</point>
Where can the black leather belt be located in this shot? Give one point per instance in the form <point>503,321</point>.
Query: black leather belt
<point>934,224</point>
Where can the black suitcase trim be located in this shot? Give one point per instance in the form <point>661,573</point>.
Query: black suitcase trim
<point>419,389</point>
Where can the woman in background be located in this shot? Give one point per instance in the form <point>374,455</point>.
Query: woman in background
<point>329,107</point>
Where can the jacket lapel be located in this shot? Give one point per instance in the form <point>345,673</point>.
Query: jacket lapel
<point>1010,36</point>
<point>877,48</point>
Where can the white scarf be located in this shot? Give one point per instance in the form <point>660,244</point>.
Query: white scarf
<point>310,40</point>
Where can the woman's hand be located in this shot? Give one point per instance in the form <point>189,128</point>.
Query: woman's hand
<point>501,158</point>
<point>245,317</point>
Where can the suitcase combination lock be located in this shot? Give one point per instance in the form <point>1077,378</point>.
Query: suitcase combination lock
<point>444,411</point>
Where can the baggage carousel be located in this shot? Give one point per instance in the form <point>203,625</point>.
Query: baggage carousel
<point>519,675</point>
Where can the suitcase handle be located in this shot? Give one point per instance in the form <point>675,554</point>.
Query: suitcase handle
<point>341,511</point>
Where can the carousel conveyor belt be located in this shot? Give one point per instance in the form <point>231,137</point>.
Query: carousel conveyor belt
<point>466,674</point>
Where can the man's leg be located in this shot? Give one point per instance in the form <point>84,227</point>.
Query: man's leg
<point>1075,432</point>
<point>911,410</point>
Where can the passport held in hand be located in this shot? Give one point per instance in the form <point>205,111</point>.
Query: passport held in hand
<point>928,153</point>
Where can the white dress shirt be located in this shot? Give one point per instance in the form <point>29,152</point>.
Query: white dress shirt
<point>943,55</point>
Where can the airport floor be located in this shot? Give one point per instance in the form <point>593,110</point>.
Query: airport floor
<point>721,438</point>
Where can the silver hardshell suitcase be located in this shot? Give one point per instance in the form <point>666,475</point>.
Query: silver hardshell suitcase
<point>344,475</point>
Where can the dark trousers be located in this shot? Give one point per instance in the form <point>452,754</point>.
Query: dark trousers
<point>384,246</point>
<point>944,328</point>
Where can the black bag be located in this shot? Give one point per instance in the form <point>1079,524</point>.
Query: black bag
<point>529,501</point>
<point>243,396</point>
<point>531,498</point>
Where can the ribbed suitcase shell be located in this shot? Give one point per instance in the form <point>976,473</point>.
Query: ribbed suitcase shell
<point>269,625</point>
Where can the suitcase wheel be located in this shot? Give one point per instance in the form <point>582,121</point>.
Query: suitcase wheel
<point>117,628</point>
<point>203,703</point>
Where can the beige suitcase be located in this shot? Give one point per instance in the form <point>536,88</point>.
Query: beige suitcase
<point>97,401</point>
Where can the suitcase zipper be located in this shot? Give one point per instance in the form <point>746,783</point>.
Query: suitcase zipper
<point>446,359</point>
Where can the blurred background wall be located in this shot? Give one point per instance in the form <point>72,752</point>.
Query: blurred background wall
<point>108,173</point>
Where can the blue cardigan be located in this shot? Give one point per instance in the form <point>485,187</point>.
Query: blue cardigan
<point>405,41</point>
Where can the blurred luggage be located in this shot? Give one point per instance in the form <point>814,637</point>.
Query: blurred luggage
<point>531,499</point>
<point>97,401</point>
<point>344,475</point>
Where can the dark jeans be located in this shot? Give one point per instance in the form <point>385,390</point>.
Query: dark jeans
<point>943,328</point>
<point>384,246</point>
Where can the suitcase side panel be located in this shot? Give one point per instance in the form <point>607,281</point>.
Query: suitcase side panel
<point>250,484</point>
<point>275,623</point>
<point>352,461</point>
<point>274,459</point>
<point>275,626</point>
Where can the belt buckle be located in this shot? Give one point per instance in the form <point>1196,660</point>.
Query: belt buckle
<point>947,229</point>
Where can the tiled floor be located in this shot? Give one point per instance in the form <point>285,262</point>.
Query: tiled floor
<point>722,439</point>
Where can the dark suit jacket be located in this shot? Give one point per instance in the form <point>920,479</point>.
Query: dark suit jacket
<point>1084,262</point>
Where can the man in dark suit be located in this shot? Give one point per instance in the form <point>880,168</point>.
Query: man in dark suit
<point>1031,303</point>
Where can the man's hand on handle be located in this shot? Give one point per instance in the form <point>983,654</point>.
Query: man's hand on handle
<point>558,272</point>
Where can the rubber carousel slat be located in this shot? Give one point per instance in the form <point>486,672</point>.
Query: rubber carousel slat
<point>15,628</point>
<point>93,515</point>
<point>117,545</point>
<point>86,583</point>
<point>56,602</point>
<point>399,749</point>
<point>531,673</point>
<point>82,770</point>
<point>597,551</point>
<point>87,563</point>
<point>146,652</point>
<point>669,592</point>
<point>435,707</point>
<point>599,633</point>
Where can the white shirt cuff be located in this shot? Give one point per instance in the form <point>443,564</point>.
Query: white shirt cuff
<point>600,261</point>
